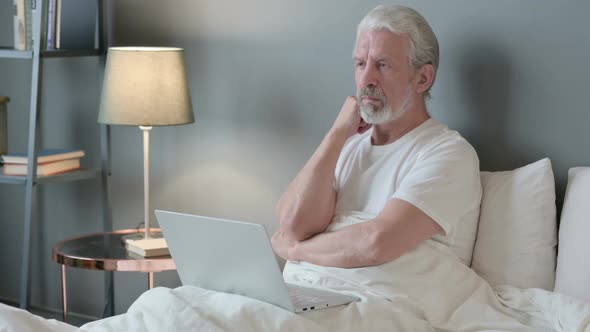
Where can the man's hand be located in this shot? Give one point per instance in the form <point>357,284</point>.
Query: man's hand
<point>282,244</point>
<point>349,121</point>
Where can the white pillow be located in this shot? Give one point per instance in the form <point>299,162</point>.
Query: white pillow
<point>516,237</point>
<point>573,259</point>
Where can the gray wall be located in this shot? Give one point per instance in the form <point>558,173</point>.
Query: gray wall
<point>267,80</point>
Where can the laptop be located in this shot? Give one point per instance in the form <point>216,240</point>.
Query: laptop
<point>236,257</point>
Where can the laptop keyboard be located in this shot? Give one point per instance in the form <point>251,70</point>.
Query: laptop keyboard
<point>299,299</point>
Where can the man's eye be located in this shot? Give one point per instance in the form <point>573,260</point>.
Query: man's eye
<point>383,65</point>
<point>359,64</point>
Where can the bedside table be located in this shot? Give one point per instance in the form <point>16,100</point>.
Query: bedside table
<point>105,252</point>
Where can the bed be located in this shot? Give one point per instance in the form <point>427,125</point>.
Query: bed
<point>509,286</point>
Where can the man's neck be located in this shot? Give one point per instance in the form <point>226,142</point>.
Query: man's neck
<point>392,131</point>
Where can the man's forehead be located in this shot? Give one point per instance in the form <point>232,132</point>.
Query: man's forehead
<point>379,41</point>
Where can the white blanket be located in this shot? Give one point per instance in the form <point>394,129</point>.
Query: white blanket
<point>424,290</point>
<point>17,320</point>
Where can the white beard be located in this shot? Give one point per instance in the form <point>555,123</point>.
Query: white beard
<point>374,116</point>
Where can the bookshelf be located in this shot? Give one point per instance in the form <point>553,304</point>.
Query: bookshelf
<point>70,53</point>
<point>82,174</point>
<point>31,181</point>
<point>15,54</point>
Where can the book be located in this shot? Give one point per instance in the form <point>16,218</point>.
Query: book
<point>148,247</point>
<point>29,13</point>
<point>44,156</point>
<point>57,14</point>
<point>52,168</point>
<point>44,15</point>
<point>50,25</point>
<point>20,29</point>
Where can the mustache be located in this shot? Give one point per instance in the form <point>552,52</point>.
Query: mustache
<point>374,92</point>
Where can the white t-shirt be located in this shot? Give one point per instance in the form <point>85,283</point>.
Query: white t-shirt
<point>431,167</point>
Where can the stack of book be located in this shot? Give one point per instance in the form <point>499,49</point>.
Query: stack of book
<point>49,162</point>
<point>148,247</point>
<point>67,24</point>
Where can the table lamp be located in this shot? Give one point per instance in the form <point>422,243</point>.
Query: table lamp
<point>145,87</point>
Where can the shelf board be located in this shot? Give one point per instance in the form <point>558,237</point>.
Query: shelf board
<point>81,174</point>
<point>11,179</point>
<point>70,53</point>
<point>15,54</point>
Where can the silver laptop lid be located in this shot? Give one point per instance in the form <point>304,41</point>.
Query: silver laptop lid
<point>225,256</point>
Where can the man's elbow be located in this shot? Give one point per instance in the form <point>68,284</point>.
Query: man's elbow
<point>288,222</point>
<point>377,251</point>
<point>375,256</point>
<point>292,228</point>
<point>379,257</point>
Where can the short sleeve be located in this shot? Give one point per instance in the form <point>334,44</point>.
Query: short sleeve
<point>350,150</point>
<point>444,182</point>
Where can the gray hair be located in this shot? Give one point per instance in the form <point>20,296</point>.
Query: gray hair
<point>406,21</point>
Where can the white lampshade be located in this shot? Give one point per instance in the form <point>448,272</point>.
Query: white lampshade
<point>145,86</point>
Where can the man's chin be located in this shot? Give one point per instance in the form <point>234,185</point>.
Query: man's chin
<point>376,118</point>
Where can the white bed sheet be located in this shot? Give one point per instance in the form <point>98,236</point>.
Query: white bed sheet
<point>424,290</point>
<point>14,319</point>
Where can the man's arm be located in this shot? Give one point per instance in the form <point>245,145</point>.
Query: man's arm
<point>399,228</point>
<point>307,206</point>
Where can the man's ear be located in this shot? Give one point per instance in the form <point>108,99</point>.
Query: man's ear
<point>425,78</point>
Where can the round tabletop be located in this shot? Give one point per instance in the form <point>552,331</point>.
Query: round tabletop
<point>106,252</point>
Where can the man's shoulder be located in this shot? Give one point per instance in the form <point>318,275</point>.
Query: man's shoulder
<point>440,138</point>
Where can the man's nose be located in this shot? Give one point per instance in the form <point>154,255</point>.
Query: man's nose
<point>369,76</point>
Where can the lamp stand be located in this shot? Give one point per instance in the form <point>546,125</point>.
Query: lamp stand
<point>146,179</point>
<point>146,192</point>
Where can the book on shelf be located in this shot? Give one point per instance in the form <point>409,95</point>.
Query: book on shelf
<point>24,10</point>
<point>20,26</point>
<point>49,18</point>
<point>50,168</point>
<point>29,14</point>
<point>44,156</point>
<point>65,24</point>
<point>148,247</point>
